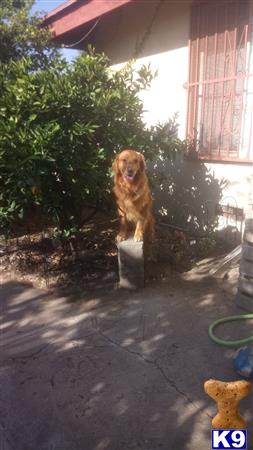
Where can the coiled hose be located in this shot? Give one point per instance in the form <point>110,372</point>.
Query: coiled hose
<point>230,344</point>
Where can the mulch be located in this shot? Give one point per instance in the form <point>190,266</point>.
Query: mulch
<point>90,259</point>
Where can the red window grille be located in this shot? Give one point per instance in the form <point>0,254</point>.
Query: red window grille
<point>220,90</point>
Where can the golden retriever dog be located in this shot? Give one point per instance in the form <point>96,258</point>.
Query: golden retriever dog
<point>133,196</point>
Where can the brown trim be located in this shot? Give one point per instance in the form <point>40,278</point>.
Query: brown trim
<point>73,15</point>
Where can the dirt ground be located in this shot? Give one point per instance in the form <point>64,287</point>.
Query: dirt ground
<point>89,260</point>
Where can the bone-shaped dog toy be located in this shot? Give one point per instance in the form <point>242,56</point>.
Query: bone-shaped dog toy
<point>227,396</point>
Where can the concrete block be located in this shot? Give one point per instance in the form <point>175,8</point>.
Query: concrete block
<point>248,236</point>
<point>247,252</point>
<point>131,264</point>
<point>246,285</point>
<point>244,301</point>
<point>248,231</point>
<point>246,268</point>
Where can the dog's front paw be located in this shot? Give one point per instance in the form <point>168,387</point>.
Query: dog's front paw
<point>138,237</point>
<point>121,237</point>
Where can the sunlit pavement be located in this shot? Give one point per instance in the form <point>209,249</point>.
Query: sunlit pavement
<point>121,371</point>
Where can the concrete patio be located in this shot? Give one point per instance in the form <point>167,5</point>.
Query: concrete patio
<point>122,371</point>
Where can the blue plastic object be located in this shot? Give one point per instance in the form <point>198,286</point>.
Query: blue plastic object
<point>243,362</point>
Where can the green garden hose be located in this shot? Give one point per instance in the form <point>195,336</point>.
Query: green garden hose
<point>231,344</point>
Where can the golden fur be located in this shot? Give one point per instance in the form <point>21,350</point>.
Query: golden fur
<point>133,196</point>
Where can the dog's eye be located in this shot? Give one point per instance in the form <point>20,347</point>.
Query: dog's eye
<point>124,160</point>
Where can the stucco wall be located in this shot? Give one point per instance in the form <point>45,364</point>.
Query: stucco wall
<point>154,33</point>
<point>239,191</point>
<point>157,33</point>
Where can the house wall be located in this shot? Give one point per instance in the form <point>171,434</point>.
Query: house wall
<point>156,33</point>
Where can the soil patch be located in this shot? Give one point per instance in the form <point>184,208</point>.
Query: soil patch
<point>89,260</point>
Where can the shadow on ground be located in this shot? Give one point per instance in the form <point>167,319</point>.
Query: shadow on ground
<point>118,372</point>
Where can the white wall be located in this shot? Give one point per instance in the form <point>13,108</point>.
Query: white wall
<point>164,46</point>
<point>167,95</point>
<point>239,190</point>
<point>161,31</point>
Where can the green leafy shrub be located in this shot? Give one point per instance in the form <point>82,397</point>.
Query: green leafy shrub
<point>59,130</point>
<point>22,36</point>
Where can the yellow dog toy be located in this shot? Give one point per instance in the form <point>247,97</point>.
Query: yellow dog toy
<point>227,396</point>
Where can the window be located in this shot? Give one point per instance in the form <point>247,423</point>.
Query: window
<point>220,87</point>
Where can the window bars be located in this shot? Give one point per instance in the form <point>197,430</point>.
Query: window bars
<point>220,87</point>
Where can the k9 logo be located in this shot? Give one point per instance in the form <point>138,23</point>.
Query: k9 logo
<point>227,439</point>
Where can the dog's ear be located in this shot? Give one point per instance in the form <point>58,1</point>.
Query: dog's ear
<point>142,162</point>
<point>115,165</point>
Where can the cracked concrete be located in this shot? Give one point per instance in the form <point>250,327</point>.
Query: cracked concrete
<point>120,372</point>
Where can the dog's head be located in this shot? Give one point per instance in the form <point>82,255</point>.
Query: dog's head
<point>129,164</point>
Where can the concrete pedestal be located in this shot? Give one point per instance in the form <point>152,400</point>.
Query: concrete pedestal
<point>131,264</point>
<point>244,301</point>
<point>244,297</point>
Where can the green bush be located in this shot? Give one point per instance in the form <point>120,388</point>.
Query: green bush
<point>61,125</point>
<point>22,36</point>
<point>59,131</point>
